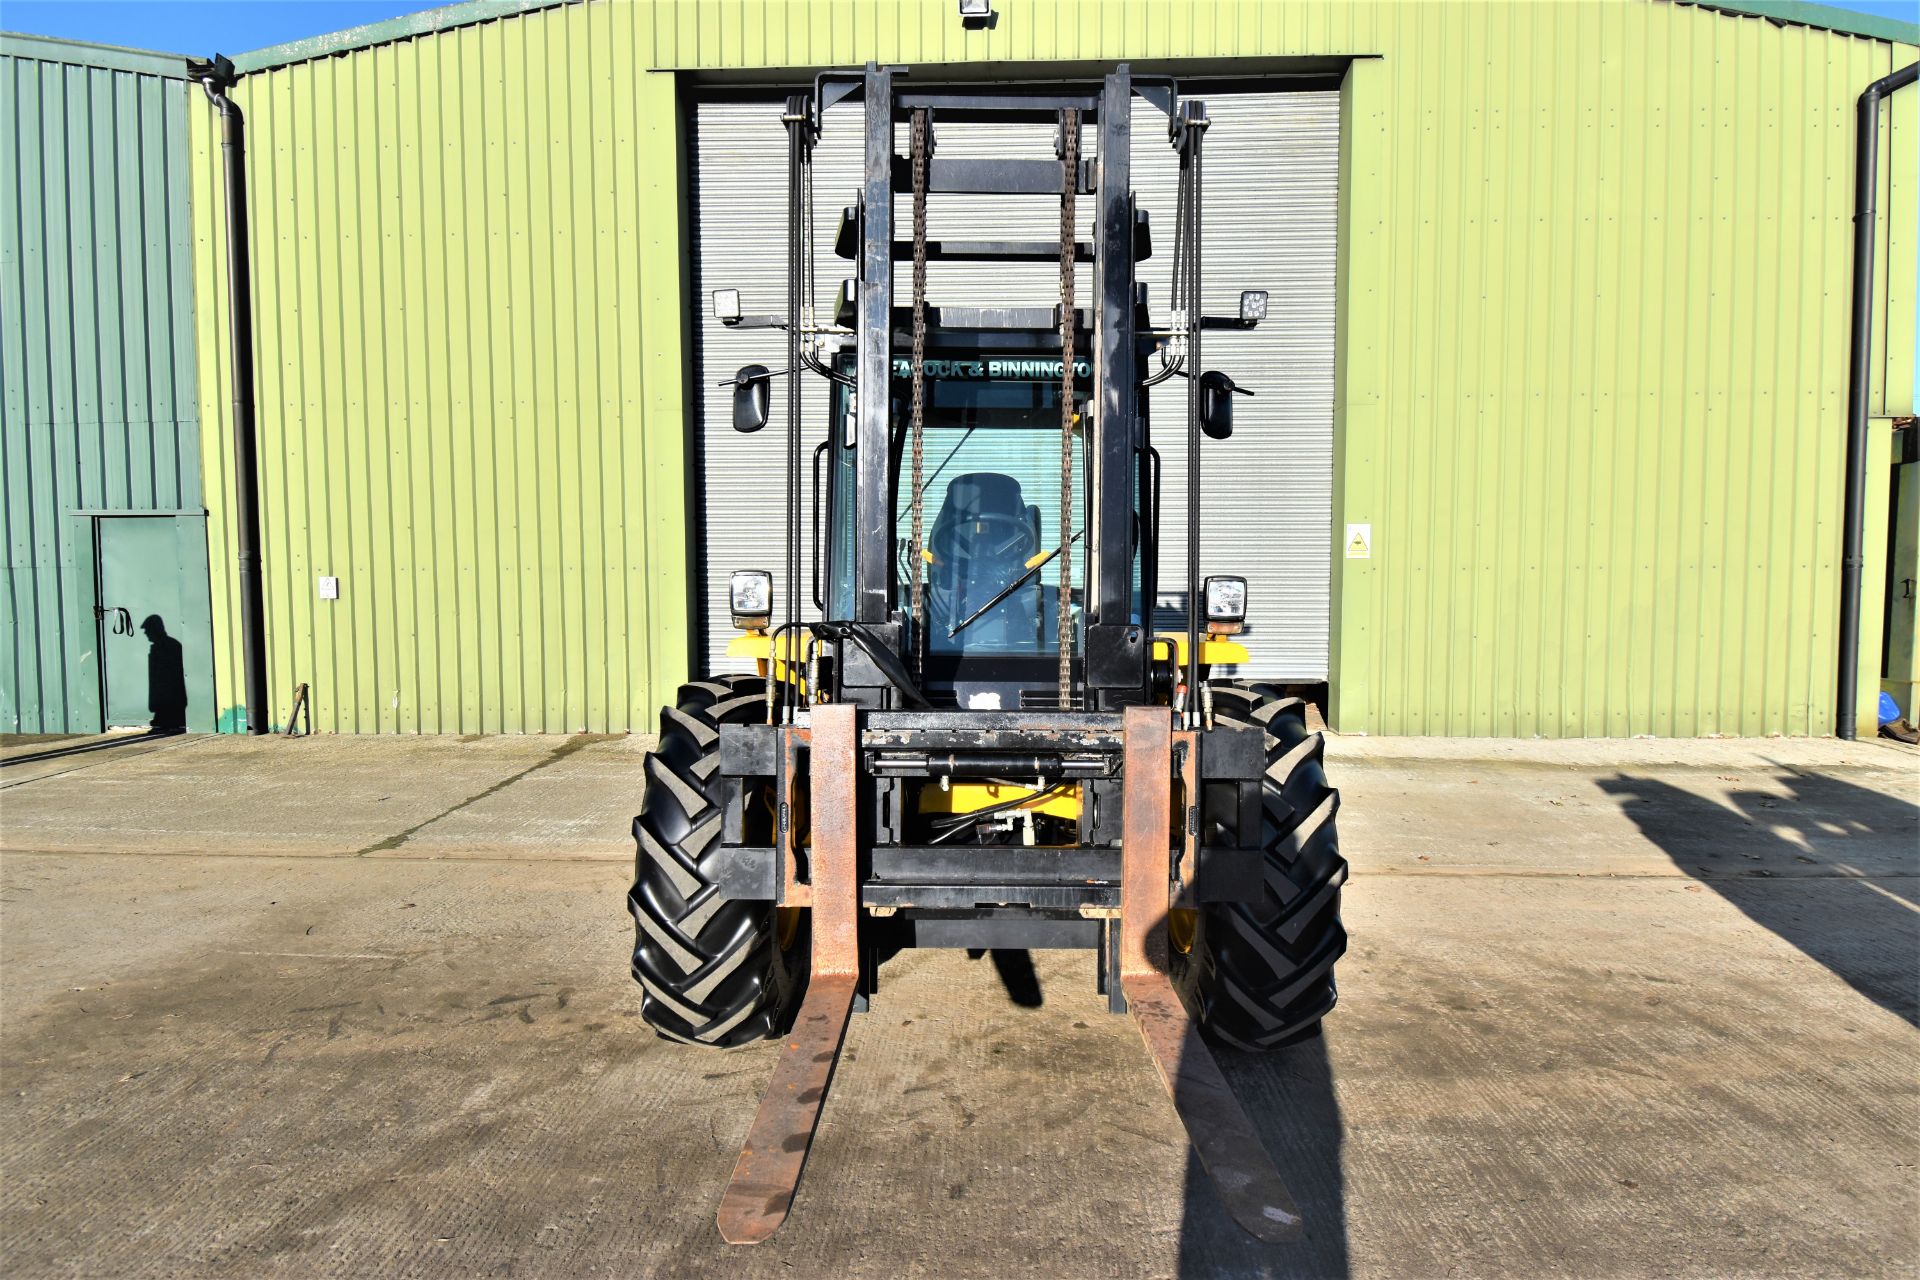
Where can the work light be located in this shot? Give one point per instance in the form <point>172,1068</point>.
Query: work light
<point>1253,306</point>
<point>1226,605</point>
<point>750,596</point>
<point>726,305</point>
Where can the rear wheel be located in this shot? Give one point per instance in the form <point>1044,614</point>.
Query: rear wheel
<point>711,971</point>
<point>1257,975</point>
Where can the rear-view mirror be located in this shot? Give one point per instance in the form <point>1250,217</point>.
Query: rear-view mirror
<point>1217,391</point>
<point>752,391</point>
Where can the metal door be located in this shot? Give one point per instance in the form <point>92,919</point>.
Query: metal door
<point>1272,197</point>
<point>156,654</point>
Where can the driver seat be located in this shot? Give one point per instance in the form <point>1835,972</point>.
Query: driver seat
<point>971,497</point>
<point>975,494</point>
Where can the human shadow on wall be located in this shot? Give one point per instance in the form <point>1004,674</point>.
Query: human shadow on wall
<point>1829,867</point>
<point>1288,1095</point>
<point>166,678</point>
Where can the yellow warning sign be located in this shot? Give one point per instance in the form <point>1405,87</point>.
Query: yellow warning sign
<point>1359,542</point>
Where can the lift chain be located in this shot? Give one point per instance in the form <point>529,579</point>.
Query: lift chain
<point>797,163</point>
<point>918,149</point>
<point>1193,174</point>
<point>1070,171</point>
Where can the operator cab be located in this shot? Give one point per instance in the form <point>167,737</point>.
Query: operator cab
<point>992,563</point>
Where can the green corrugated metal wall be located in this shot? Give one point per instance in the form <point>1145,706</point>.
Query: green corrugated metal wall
<point>100,410</point>
<point>1597,420</point>
<point>467,268</point>
<point>1592,349</point>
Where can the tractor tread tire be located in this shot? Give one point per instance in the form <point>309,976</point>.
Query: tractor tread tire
<point>1260,974</point>
<point>709,969</point>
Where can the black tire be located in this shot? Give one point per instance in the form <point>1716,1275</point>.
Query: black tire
<point>711,972</point>
<point>1259,975</point>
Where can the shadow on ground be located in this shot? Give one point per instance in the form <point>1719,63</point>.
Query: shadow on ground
<point>1289,1097</point>
<point>69,747</point>
<point>1015,968</point>
<point>1822,829</point>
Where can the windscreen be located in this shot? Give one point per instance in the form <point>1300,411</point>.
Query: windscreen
<point>990,506</point>
<point>990,517</point>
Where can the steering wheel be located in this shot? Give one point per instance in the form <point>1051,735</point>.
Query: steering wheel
<point>988,535</point>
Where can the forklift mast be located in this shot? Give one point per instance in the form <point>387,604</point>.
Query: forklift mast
<point>879,640</point>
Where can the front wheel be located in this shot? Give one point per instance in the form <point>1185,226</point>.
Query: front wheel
<point>1258,975</point>
<point>712,971</point>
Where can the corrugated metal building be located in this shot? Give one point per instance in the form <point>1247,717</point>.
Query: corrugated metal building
<point>1589,344</point>
<point>101,491</point>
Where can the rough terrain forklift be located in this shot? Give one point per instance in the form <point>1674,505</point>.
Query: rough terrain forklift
<point>981,742</point>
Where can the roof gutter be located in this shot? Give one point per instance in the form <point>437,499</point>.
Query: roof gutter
<point>217,77</point>
<point>1859,386</point>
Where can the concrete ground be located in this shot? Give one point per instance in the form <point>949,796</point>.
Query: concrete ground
<point>342,1006</point>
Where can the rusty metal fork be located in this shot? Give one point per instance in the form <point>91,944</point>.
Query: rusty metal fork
<point>1222,1136</point>
<point>765,1177</point>
<point>761,1192</point>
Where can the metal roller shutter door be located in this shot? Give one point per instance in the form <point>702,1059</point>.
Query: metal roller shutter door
<point>1272,178</point>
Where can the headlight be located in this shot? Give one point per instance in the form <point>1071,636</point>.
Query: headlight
<point>750,595</point>
<point>1226,605</point>
<point>1253,306</point>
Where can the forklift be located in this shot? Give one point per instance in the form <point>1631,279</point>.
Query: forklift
<point>981,742</point>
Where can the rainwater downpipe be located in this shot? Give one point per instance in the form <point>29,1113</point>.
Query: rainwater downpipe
<point>217,77</point>
<point>1859,384</point>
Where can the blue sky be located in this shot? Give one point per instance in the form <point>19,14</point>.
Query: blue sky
<point>201,27</point>
<point>197,27</point>
<point>1900,10</point>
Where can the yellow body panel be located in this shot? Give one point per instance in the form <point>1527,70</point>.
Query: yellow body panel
<point>758,645</point>
<point>965,797</point>
<point>753,644</point>
<point>1214,652</point>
